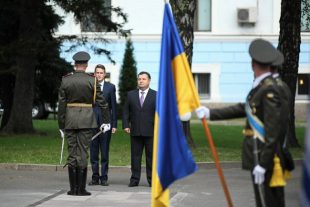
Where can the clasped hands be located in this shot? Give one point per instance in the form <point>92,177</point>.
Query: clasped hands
<point>105,127</point>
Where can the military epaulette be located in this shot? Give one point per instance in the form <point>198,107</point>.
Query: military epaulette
<point>67,75</point>
<point>268,82</point>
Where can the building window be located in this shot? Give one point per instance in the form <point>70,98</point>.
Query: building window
<point>305,17</point>
<point>88,23</point>
<point>202,82</point>
<point>203,15</point>
<point>303,84</point>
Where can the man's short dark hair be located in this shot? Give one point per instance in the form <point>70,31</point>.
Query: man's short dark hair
<point>144,73</point>
<point>100,66</point>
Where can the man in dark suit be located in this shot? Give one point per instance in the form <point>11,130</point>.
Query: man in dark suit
<point>77,94</point>
<point>262,131</point>
<point>138,121</point>
<point>102,142</point>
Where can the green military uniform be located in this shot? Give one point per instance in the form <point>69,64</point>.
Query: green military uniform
<point>77,94</point>
<point>265,103</point>
<point>76,115</point>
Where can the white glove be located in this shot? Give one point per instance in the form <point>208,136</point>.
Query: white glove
<point>259,174</point>
<point>202,112</point>
<point>105,127</point>
<point>62,134</point>
<point>186,117</point>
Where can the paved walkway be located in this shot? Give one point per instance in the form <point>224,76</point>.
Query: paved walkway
<point>43,186</point>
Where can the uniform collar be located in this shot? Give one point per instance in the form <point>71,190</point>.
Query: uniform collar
<point>259,79</point>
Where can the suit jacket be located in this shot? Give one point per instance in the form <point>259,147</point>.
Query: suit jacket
<point>110,97</point>
<point>79,88</point>
<point>265,102</point>
<point>139,119</point>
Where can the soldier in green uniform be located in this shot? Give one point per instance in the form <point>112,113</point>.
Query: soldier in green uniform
<point>77,94</point>
<point>262,109</point>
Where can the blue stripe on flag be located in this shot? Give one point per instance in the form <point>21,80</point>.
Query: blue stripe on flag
<point>174,158</point>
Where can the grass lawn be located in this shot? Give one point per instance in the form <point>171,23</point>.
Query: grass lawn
<point>44,148</point>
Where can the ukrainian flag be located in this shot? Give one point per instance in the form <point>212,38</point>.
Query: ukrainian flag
<point>177,95</point>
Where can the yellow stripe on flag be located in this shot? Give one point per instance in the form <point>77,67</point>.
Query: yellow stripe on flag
<point>186,92</point>
<point>160,198</point>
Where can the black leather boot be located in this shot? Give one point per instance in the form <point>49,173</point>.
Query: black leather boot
<point>72,179</point>
<point>82,176</point>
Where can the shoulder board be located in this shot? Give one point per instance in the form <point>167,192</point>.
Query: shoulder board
<point>67,75</point>
<point>268,82</point>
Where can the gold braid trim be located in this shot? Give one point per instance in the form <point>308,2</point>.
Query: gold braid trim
<point>83,105</point>
<point>95,91</point>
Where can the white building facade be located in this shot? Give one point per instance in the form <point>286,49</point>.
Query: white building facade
<point>223,31</point>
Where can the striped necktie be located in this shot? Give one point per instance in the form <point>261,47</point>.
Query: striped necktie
<point>142,98</point>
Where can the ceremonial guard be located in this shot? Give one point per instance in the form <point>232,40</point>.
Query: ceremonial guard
<point>77,94</point>
<point>263,108</point>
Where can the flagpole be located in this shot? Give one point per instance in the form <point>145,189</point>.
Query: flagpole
<point>216,161</point>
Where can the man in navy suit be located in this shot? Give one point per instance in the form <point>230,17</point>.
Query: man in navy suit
<point>102,142</point>
<point>138,121</point>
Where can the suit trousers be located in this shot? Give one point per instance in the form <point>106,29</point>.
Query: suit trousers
<point>100,144</point>
<point>274,196</point>
<point>137,145</point>
<point>78,141</point>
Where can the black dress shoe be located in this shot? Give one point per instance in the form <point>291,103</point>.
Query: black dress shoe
<point>83,193</point>
<point>104,183</point>
<point>133,184</point>
<point>94,182</point>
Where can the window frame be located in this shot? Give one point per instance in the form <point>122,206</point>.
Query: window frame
<point>214,70</point>
<point>196,29</point>
<point>303,69</point>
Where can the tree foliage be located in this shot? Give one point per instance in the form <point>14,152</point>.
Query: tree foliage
<point>128,74</point>
<point>289,44</point>
<point>184,13</point>
<point>30,52</point>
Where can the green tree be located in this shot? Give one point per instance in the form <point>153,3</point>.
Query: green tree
<point>289,44</point>
<point>29,53</point>
<point>128,74</point>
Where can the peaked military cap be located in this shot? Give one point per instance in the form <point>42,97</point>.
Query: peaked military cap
<point>81,57</point>
<point>263,51</point>
<point>279,60</point>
